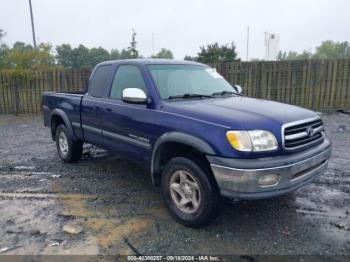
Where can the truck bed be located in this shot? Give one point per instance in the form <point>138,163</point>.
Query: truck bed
<point>68,92</point>
<point>67,102</point>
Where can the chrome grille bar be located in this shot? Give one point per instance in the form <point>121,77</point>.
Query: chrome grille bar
<point>302,133</point>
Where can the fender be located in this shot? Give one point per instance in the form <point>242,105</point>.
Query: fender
<point>67,122</point>
<point>179,137</point>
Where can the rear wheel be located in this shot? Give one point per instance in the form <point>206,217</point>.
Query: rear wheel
<point>69,150</point>
<point>188,191</point>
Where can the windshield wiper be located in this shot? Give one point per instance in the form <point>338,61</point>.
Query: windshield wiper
<point>224,93</point>
<point>189,95</point>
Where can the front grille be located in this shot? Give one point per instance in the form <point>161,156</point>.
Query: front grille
<point>302,133</point>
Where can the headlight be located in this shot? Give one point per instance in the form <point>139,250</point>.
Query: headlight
<point>253,140</point>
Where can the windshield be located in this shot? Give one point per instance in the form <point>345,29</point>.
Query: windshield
<point>185,80</point>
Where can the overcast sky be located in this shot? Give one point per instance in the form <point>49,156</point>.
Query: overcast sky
<point>179,25</point>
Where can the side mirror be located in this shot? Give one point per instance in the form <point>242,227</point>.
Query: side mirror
<point>134,96</point>
<point>238,89</point>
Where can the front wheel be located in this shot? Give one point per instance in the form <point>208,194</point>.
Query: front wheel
<point>68,149</point>
<point>189,192</point>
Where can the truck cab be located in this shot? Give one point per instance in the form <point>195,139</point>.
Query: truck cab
<point>201,138</point>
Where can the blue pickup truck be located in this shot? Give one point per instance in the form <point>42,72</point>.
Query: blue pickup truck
<point>201,138</point>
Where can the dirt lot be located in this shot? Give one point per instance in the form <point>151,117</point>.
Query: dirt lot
<point>120,212</point>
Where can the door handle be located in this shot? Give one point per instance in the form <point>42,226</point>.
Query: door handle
<point>97,107</point>
<point>109,109</point>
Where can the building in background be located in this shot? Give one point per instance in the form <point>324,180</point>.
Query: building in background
<point>271,46</point>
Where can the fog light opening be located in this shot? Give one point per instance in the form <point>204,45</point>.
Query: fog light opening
<point>269,180</point>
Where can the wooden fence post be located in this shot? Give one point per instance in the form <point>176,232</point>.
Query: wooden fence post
<point>14,96</point>
<point>315,83</point>
<point>259,77</point>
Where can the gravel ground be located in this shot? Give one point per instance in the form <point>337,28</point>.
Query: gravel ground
<point>120,212</point>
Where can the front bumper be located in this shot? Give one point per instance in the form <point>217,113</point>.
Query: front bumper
<point>239,178</point>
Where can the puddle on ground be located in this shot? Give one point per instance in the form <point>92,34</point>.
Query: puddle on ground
<point>107,232</point>
<point>24,167</point>
<point>113,232</point>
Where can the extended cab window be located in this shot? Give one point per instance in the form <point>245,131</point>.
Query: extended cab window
<point>100,80</point>
<point>127,76</point>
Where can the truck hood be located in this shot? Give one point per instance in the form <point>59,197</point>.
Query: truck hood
<point>238,112</point>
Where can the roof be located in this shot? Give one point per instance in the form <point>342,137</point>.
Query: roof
<point>150,61</point>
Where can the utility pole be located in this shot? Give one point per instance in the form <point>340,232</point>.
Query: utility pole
<point>32,19</point>
<point>247,56</point>
<point>152,44</point>
<point>268,48</point>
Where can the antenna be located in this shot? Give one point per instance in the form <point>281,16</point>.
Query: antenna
<point>247,55</point>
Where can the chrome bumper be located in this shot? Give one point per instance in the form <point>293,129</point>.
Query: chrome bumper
<point>293,171</point>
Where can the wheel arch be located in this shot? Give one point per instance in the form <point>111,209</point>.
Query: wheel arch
<point>57,117</point>
<point>176,141</point>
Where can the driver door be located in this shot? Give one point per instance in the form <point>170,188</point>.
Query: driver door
<point>128,128</point>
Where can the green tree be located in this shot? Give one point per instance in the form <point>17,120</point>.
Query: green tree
<point>23,57</point>
<point>305,55</point>
<point>291,55</point>
<point>332,50</point>
<point>4,51</point>
<point>190,58</point>
<point>282,56</point>
<point>73,58</point>
<point>80,57</point>
<point>125,54</point>
<point>327,50</point>
<point>98,55</point>
<point>164,53</point>
<point>44,58</point>
<point>115,54</point>
<point>64,55</point>
<point>213,53</point>
<point>132,49</point>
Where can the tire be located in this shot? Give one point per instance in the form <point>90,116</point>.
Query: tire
<point>177,186</point>
<point>69,150</point>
